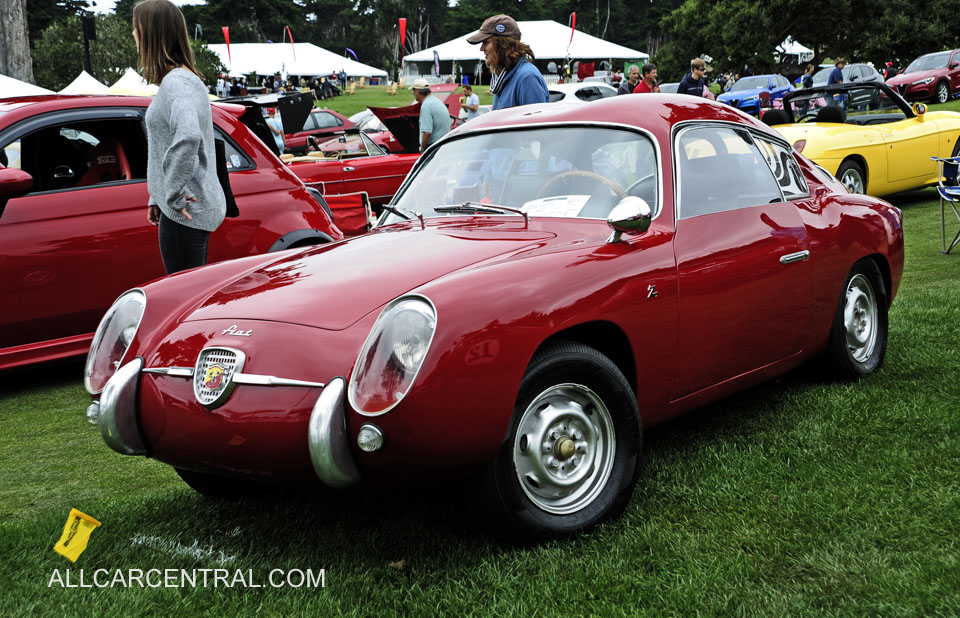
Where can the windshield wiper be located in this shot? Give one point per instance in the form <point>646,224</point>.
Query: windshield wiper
<point>403,212</point>
<point>478,207</point>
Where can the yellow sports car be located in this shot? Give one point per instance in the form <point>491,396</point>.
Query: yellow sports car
<point>867,135</point>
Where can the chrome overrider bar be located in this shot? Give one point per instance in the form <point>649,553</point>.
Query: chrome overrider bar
<point>327,437</point>
<point>116,414</point>
<point>237,378</point>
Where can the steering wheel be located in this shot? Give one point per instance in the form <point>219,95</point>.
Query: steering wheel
<point>582,174</point>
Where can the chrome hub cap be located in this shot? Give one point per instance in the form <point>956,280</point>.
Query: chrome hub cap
<point>564,449</point>
<point>852,181</point>
<point>943,93</point>
<point>860,318</point>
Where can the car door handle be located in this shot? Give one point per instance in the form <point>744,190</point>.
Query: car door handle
<point>348,169</point>
<point>799,256</point>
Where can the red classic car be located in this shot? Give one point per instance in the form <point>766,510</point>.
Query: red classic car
<point>321,124</point>
<point>932,76</point>
<point>549,282</point>
<point>73,223</point>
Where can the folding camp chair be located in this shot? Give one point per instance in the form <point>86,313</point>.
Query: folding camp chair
<point>948,185</point>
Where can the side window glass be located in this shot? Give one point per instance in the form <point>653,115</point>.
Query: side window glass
<point>83,154</point>
<point>309,124</point>
<point>237,159</point>
<point>10,155</point>
<point>325,120</point>
<point>722,169</point>
<point>785,169</point>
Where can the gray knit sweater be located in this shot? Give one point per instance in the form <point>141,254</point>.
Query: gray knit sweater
<point>180,152</point>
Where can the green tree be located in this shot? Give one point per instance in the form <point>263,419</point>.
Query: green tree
<point>42,13</point>
<point>58,54</point>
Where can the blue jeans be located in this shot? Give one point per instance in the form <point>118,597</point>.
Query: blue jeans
<point>181,247</point>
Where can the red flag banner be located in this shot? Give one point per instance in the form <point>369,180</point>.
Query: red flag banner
<point>292,45</point>
<point>573,25</point>
<point>403,32</point>
<point>226,37</point>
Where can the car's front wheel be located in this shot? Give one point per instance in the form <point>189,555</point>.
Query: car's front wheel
<point>571,457</point>
<point>858,335</point>
<point>851,175</point>
<point>943,92</point>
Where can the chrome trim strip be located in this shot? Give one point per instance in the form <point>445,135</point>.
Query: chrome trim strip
<point>253,379</point>
<point>177,372</point>
<point>262,380</point>
<point>118,421</point>
<point>799,256</point>
<point>327,438</point>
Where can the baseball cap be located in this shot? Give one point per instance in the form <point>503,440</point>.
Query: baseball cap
<point>419,84</point>
<point>498,25</point>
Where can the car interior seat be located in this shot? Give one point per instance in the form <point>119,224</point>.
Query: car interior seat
<point>108,163</point>
<point>832,113</point>
<point>773,117</point>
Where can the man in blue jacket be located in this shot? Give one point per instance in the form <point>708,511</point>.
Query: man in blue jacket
<point>836,75</point>
<point>515,81</point>
<point>692,82</point>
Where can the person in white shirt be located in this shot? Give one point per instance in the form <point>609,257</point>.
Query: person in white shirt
<point>470,102</point>
<point>276,127</point>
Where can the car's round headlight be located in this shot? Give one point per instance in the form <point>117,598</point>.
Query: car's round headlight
<point>113,337</point>
<point>392,355</point>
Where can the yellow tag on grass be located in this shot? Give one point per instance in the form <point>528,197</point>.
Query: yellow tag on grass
<point>76,534</point>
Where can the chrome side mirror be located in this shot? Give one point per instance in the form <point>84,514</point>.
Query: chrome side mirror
<point>919,109</point>
<point>632,214</point>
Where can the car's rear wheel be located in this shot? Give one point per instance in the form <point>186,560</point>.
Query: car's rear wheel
<point>851,175</point>
<point>858,335</point>
<point>571,456</point>
<point>943,92</point>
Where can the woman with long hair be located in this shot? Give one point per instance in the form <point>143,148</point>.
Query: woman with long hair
<point>186,199</point>
<point>515,81</point>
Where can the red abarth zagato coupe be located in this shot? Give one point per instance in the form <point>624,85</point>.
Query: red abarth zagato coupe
<point>548,282</point>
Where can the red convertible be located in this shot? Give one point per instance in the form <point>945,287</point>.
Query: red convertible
<point>73,223</point>
<point>549,282</point>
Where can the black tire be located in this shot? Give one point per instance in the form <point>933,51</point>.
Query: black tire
<point>856,179</point>
<point>213,486</point>
<point>858,335</point>
<point>577,406</point>
<point>942,92</point>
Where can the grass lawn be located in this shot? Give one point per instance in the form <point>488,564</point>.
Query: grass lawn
<point>376,96</point>
<point>796,498</point>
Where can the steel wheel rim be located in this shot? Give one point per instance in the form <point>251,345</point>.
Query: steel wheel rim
<point>852,181</point>
<point>860,318</point>
<point>942,93</point>
<point>564,449</point>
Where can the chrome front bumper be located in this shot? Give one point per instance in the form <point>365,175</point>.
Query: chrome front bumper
<point>327,439</point>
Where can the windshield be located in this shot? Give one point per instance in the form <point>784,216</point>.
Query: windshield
<point>853,102</point>
<point>558,172</point>
<point>930,61</point>
<point>750,83</point>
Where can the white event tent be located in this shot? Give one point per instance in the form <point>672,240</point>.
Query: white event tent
<point>132,83</point>
<point>10,87</point>
<point>549,40</point>
<point>790,47</point>
<point>273,58</point>
<point>85,84</point>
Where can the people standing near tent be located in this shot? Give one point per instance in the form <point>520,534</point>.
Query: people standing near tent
<point>434,115</point>
<point>633,76</point>
<point>692,82</point>
<point>186,199</point>
<point>343,79</point>
<point>515,80</point>
<point>649,81</point>
<point>276,127</point>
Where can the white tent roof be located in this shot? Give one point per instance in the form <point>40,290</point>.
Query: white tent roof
<point>272,58</point>
<point>10,87</point>
<point>789,47</point>
<point>85,84</point>
<point>548,39</point>
<point>132,83</point>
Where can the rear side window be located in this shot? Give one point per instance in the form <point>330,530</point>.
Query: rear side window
<point>721,169</point>
<point>237,159</point>
<point>326,121</point>
<point>785,169</point>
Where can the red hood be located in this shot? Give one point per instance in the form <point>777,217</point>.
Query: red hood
<point>334,286</point>
<point>909,78</point>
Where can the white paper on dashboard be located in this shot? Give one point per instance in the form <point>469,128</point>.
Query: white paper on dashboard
<point>557,206</point>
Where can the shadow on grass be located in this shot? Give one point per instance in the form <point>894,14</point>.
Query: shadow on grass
<point>53,374</point>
